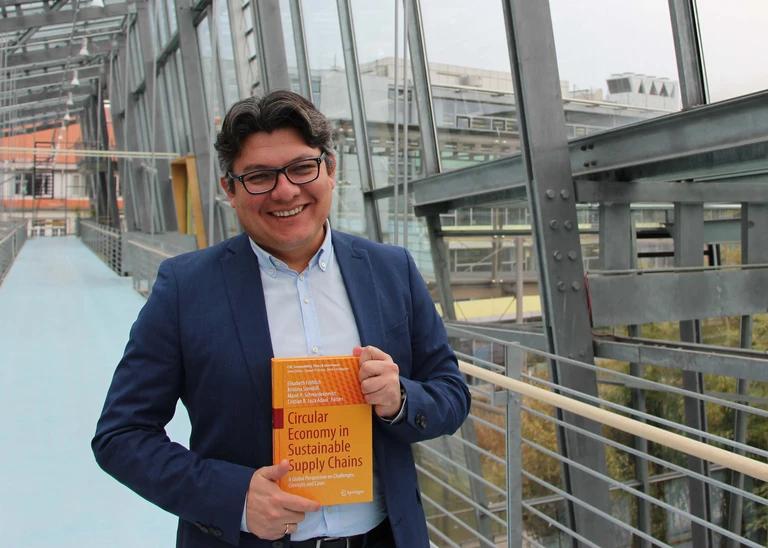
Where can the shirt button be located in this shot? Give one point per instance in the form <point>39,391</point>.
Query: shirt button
<point>306,299</point>
<point>314,349</point>
<point>322,265</point>
<point>271,270</point>
<point>301,277</point>
<point>330,509</point>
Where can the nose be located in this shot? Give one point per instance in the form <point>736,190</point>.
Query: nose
<point>284,190</point>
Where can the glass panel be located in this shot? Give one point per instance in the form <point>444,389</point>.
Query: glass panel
<point>614,53</point>
<point>375,29</point>
<point>472,89</point>
<point>226,55</point>
<point>171,139</point>
<point>733,43</point>
<point>326,61</point>
<point>290,46</point>
<point>158,12</point>
<point>137,57</point>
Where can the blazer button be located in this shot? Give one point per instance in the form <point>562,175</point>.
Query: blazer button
<point>202,527</point>
<point>421,420</point>
<point>216,532</point>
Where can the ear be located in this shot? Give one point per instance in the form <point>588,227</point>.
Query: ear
<point>332,172</point>
<point>224,182</point>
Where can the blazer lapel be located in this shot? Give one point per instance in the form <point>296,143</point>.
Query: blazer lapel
<point>359,279</point>
<point>246,298</point>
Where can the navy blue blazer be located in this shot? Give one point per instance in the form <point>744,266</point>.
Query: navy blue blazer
<point>203,336</point>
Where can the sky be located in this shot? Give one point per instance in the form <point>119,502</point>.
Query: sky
<point>593,38</point>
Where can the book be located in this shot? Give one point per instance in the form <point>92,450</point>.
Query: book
<point>323,426</point>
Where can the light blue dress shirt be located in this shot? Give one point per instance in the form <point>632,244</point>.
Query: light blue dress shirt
<point>310,315</point>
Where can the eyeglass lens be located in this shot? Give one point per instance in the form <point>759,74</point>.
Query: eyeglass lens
<point>299,173</point>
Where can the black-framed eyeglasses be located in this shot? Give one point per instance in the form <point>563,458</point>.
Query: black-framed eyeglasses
<point>300,172</point>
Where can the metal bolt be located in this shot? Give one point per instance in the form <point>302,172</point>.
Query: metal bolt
<point>590,146</point>
<point>564,194</point>
<point>575,286</point>
<point>558,255</point>
<point>572,255</point>
<point>583,147</point>
<point>568,225</point>
<point>582,353</point>
<point>561,286</point>
<point>586,164</point>
<point>553,224</point>
<point>593,163</point>
<point>550,194</point>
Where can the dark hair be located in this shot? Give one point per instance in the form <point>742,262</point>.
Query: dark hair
<point>275,110</point>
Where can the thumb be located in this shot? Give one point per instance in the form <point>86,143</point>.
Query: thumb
<point>274,473</point>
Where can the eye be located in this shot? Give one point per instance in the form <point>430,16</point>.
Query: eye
<point>259,177</point>
<point>303,168</point>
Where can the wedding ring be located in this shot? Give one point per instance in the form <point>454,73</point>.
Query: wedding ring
<point>287,526</point>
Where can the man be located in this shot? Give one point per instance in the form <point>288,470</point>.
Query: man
<point>288,286</point>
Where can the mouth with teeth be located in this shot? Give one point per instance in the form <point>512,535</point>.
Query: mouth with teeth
<point>289,213</point>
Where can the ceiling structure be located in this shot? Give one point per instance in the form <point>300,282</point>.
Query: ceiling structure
<point>54,55</point>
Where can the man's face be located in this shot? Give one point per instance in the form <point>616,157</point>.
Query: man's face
<point>287,221</point>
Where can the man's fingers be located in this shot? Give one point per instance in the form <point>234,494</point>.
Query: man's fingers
<point>370,353</point>
<point>274,473</point>
<point>298,504</point>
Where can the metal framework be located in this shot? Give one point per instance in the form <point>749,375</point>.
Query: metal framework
<point>167,90</point>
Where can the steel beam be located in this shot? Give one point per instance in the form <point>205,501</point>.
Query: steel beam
<point>201,138</point>
<point>648,297</point>
<point>359,119</point>
<point>48,18</point>
<point>32,109</point>
<point>707,141</point>
<point>58,77</point>
<point>742,189</point>
<point>713,360</point>
<point>690,59</point>
<point>548,176</point>
<point>274,63</point>
<point>245,78</point>
<point>37,59</point>
<point>56,93</point>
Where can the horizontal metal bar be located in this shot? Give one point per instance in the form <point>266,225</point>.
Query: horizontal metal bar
<point>716,139</point>
<point>456,520</point>
<point>531,338</point>
<point>640,298</point>
<point>640,494</point>
<point>682,471</point>
<point>552,522</point>
<point>747,189</point>
<point>23,22</point>
<point>425,446</point>
<point>741,364</point>
<point>59,55</point>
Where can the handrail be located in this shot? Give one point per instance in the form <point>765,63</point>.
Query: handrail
<point>13,232</point>
<point>151,249</point>
<point>727,459</point>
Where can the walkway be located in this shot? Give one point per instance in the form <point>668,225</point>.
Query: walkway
<point>64,321</point>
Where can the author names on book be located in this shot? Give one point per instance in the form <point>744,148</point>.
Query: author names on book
<point>308,392</point>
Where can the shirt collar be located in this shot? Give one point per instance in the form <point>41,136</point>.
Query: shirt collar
<point>270,264</point>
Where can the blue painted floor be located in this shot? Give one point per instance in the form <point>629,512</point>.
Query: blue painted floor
<point>64,321</point>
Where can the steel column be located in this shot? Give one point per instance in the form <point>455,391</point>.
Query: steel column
<point>689,244</point>
<point>359,120</point>
<point>560,270</point>
<point>161,177</point>
<point>617,252</point>
<point>513,362</point>
<point>201,141</point>
<point>274,63</point>
<point>300,43</point>
<point>690,65</point>
<point>754,249</point>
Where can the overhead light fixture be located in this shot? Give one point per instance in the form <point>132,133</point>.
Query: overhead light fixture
<point>75,80</point>
<point>84,48</point>
<point>70,102</point>
<point>67,117</point>
<point>97,3</point>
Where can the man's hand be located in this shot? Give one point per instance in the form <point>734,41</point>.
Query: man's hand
<point>380,381</point>
<point>271,513</point>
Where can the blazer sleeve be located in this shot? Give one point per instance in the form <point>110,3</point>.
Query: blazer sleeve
<point>131,443</point>
<point>438,399</point>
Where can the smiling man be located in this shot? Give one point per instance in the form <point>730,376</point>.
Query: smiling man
<point>288,286</point>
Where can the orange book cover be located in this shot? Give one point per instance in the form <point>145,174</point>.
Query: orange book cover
<point>322,424</point>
